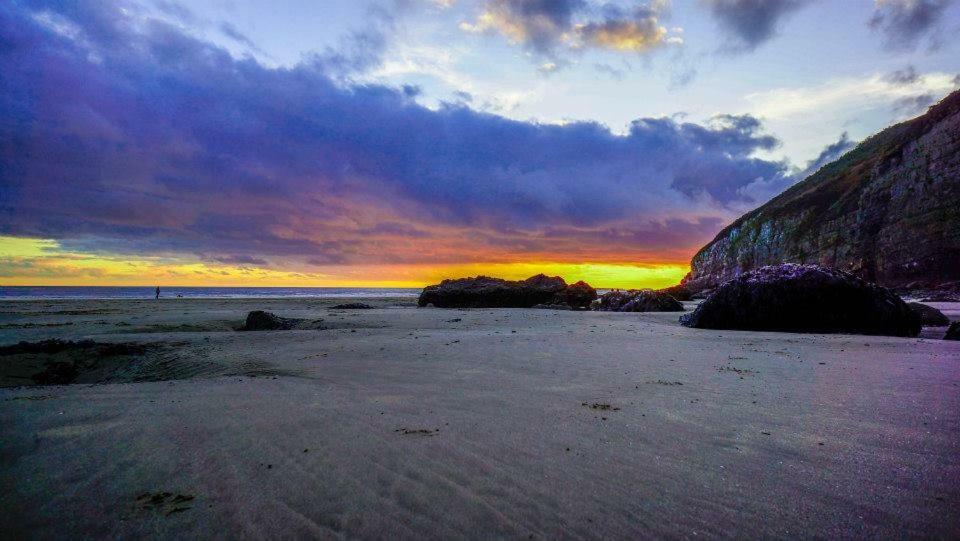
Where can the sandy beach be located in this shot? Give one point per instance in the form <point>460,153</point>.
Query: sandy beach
<point>409,422</point>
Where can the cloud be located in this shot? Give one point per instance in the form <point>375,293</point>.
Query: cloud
<point>551,27</point>
<point>244,260</point>
<point>914,105</point>
<point>847,95</point>
<point>905,76</point>
<point>128,135</point>
<point>236,35</point>
<point>750,23</point>
<point>178,11</point>
<point>621,31</point>
<point>609,70</point>
<point>830,153</point>
<point>905,23</point>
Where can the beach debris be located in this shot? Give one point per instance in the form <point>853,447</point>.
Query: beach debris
<point>738,371</point>
<point>804,298</point>
<point>600,406</point>
<point>417,431</point>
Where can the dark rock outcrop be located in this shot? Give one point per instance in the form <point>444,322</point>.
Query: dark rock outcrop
<point>929,316</point>
<point>888,211</point>
<point>953,332</point>
<point>804,298</point>
<point>577,296</point>
<point>941,297</point>
<point>258,320</point>
<point>643,300</point>
<point>679,292</point>
<point>486,292</point>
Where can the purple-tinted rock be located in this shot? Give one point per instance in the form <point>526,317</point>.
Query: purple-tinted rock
<point>929,316</point>
<point>679,292</point>
<point>634,300</point>
<point>804,298</point>
<point>953,332</point>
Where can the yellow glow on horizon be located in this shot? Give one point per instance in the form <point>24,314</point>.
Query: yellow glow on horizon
<point>601,275</point>
<point>38,262</point>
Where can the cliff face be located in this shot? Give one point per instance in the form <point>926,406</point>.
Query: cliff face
<point>887,211</point>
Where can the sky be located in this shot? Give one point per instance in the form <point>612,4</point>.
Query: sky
<point>399,142</point>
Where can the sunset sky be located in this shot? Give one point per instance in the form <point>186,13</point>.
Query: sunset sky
<point>398,142</point>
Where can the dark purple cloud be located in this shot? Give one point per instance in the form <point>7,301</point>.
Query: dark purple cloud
<point>750,23</point>
<point>541,21</point>
<point>914,105</point>
<point>905,23</point>
<point>123,133</point>
<point>829,154</point>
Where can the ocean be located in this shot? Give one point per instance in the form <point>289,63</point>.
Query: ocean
<point>83,292</point>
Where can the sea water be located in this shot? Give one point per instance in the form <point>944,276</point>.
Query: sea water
<point>147,292</point>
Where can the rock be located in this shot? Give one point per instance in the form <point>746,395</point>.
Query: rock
<point>941,297</point>
<point>929,316</point>
<point>578,296</point>
<point>953,332</point>
<point>643,300</point>
<point>886,211</point>
<point>258,320</point>
<point>804,298</point>
<point>701,295</point>
<point>679,292</point>
<point>486,292</point>
<point>352,306</point>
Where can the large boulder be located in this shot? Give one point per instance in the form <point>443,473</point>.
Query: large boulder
<point>258,320</point>
<point>634,300</point>
<point>929,316</point>
<point>804,298</point>
<point>953,332</point>
<point>486,292</point>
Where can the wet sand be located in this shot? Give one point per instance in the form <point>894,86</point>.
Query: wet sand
<point>407,422</point>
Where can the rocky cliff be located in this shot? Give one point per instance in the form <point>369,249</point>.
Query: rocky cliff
<point>887,211</point>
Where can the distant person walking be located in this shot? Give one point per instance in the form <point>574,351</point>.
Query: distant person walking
<point>158,292</point>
